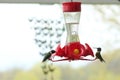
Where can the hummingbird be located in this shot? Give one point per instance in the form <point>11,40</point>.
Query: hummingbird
<point>48,55</point>
<point>98,55</point>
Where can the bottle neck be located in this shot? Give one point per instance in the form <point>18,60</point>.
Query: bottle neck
<point>72,32</point>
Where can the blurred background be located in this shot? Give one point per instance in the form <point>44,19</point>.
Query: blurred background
<point>29,30</point>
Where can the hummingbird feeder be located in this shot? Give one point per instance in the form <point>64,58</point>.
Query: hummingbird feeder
<point>73,49</point>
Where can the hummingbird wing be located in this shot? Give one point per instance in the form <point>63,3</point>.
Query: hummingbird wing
<point>47,56</point>
<point>98,55</point>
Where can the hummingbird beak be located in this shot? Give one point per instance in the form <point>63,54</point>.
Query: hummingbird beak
<point>98,48</point>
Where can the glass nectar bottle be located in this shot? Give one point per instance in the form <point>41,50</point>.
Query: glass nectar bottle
<point>71,11</point>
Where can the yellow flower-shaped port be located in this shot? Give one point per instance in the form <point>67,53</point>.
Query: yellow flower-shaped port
<point>76,51</point>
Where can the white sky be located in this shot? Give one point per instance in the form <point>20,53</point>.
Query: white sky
<point>16,38</point>
<point>17,47</point>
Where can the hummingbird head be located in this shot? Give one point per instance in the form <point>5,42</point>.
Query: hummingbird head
<point>98,49</point>
<point>52,51</point>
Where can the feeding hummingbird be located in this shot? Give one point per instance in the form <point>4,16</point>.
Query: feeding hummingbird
<point>98,55</point>
<point>48,55</point>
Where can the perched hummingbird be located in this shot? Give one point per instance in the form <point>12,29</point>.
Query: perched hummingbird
<point>98,55</point>
<point>48,55</point>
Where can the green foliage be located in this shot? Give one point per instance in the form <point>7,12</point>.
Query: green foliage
<point>25,76</point>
